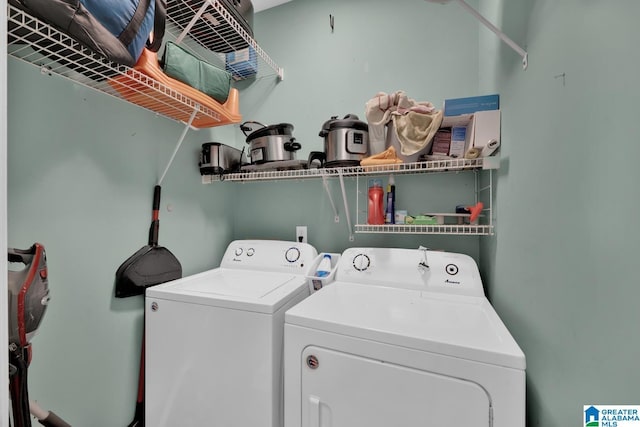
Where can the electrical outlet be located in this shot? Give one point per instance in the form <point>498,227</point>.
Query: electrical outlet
<point>301,233</point>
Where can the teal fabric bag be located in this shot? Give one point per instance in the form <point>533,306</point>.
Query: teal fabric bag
<point>183,66</point>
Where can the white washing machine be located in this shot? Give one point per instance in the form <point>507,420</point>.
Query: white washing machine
<point>214,340</point>
<point>401,338</point>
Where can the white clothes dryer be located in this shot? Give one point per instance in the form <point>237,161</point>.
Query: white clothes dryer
<point>401,338</point>
<point>214,340</point>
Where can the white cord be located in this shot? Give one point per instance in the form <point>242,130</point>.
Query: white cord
<point>175,150</point>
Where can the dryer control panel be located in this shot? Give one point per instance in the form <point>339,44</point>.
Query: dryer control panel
<point>417,269</point>
<point>269,255</point>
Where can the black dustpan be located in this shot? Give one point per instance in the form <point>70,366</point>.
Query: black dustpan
<point>150,265</point>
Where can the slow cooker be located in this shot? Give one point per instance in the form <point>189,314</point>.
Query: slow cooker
<point>273,143</point>
<point>217,159</point>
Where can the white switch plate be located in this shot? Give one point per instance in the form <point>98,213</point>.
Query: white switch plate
<point>301,233</point>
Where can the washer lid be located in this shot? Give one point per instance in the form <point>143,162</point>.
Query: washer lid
<point>466,327</point>
<point>258,291</point>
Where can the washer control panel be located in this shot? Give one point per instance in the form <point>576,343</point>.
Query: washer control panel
<point>269,255</point>
<point>417,269</point>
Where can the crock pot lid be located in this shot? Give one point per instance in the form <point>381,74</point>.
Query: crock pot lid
<point>350,121</point>
<point>279,129</point>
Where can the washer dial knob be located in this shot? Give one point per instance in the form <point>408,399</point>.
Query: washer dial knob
<point>238,251</point>
<point>292,254</point>
<point>361,262</point>
<point>251,251</point>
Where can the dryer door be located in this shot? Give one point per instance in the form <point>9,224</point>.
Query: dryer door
<point>344,390</point>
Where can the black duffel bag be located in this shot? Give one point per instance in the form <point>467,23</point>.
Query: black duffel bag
<point>116,30</point>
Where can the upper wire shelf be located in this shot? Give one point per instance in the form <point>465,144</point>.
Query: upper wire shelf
<point>35,42</point>
<point>38,43</point>
<point>208,30</point>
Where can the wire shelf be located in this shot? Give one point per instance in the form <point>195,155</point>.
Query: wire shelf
<point>464,229</point>
<point>37,43</point>
<point>40,44</point>
<point>212,32</point>
<point>433,166</point>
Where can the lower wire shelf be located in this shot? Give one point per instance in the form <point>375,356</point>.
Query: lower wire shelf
<point>462,229</point>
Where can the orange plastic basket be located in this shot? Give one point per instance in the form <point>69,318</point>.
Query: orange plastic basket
<point>148,86</point>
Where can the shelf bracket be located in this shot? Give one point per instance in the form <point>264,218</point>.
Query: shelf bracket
<point>513,45</point>
<point>346,206</point>
<point>325,183</point>
<point>180,140</point>
<point>191,23</point>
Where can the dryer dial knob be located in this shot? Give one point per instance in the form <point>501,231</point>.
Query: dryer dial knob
<point>292,254</point>
<point>238,251</point>
<point>451,269</point>
<point>361,262</point>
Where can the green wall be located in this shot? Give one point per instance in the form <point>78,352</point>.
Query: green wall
<point>560,268</point>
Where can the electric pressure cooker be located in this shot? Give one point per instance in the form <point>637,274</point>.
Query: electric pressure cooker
<point>346,141</point>
<point>270,143</point>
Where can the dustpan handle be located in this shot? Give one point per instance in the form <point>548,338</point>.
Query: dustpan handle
<point>155,218</point>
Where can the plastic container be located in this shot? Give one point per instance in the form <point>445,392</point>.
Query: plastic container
<point>318,282</point>
<point>390,213</point>
<point>375,211</point>
<point>324,268</point>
